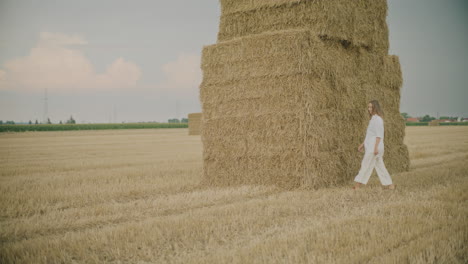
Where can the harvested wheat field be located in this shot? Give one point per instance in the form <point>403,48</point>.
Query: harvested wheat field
<point>134,196</point>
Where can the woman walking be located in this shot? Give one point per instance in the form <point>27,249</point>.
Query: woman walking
<point>374,150</point>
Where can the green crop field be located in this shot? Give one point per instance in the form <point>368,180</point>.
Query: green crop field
<point>63,127</point>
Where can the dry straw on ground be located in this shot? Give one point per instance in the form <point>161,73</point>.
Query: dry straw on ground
<point>288,107</point>
<point>134,196</point>
<point>194,123</point>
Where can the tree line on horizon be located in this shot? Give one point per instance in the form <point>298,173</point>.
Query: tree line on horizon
<point>71,120</point>
<point>428,118</point>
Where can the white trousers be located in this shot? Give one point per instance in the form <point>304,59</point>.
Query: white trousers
<point>369,162</point>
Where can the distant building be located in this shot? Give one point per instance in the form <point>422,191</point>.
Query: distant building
<point>445,120</point>
<point>465,119</point>
<point>412,119</point>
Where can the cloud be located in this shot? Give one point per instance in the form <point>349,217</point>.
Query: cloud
<point>48,39</point>
<point>183,74</point>
<point>57,64</point>
<point>120,74</point>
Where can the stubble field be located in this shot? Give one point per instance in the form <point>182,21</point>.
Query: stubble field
<point>133,196</point>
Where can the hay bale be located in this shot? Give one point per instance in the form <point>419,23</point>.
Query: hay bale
<point>194,123</point>
<point>360,23</point>
<point>288,108</point>
<point>434,123</point>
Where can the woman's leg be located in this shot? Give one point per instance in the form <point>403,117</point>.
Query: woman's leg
<point>367,166</point>
<point>382,172</point>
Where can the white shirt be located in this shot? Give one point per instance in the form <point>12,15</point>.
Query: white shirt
<point>374,129</point>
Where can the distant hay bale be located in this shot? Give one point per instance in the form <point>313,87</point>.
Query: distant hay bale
<point>288,107</point>
<point>434,123</point>
<point>194,123</point>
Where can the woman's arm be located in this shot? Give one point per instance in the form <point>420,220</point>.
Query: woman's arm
<point>360,148</point>
<point>379,130</point>
<point>377,141</point>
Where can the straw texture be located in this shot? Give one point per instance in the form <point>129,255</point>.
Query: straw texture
<point>361,22</point>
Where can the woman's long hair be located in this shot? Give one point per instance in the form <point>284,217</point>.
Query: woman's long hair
<point>376,109</point>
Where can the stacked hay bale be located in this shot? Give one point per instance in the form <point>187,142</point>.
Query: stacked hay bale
<point>285,91</point>
<point>194,123</point>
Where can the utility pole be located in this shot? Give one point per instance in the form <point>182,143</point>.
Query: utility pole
<point>115,115</point>
<point>177,109</point>
<point>46,108</point>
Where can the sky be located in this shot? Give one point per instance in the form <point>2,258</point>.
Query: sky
<point>139,61</point>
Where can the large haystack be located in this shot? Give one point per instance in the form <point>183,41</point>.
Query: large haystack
<point>194,123</point>
<point>284,102</point>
